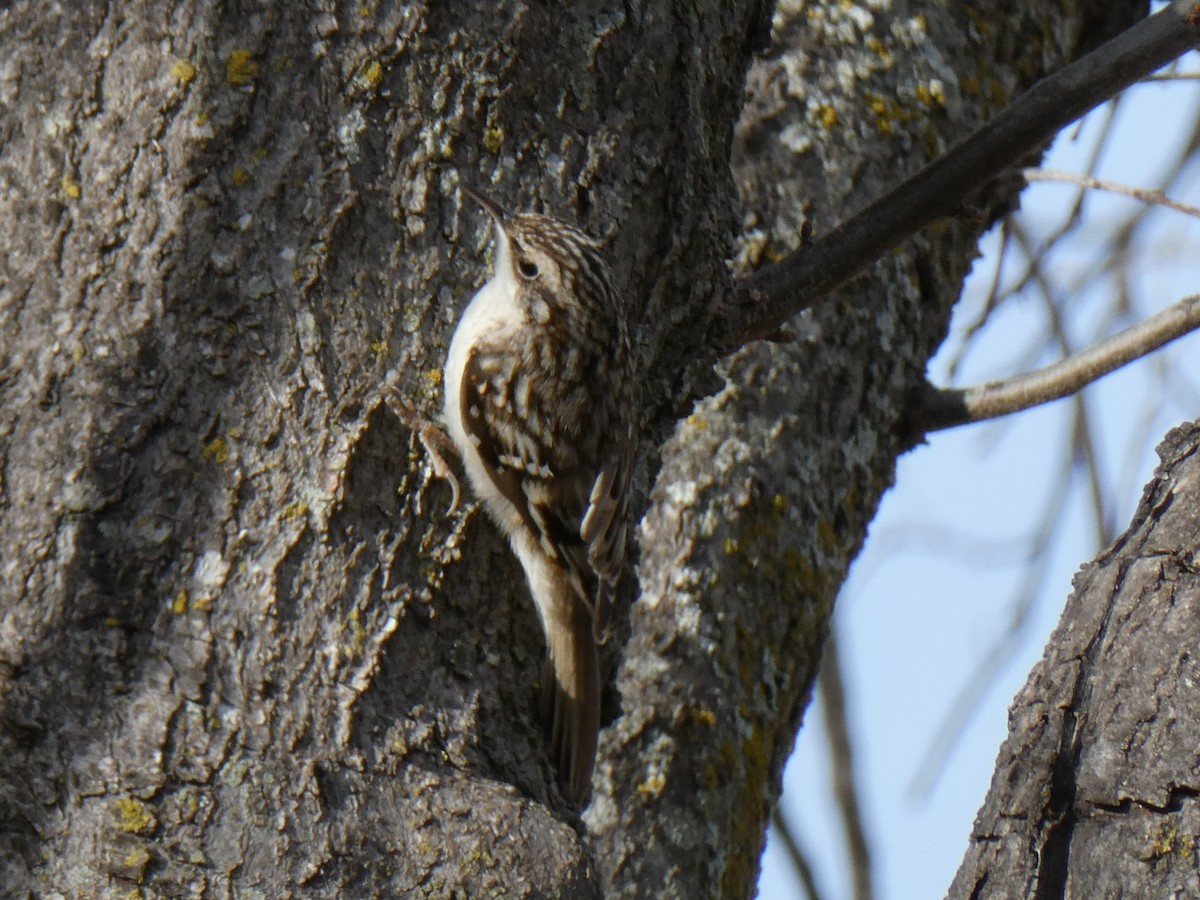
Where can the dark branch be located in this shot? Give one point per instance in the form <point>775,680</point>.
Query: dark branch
<point>764,301</point>
<point>938,409</point>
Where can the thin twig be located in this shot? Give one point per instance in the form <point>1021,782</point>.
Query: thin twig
<point>1154,195</point>
<point>764,301</point>
<point>1036,257</point>
<point>994,297</point>
<point>938,409</point>
<point>1083,448</point>
<point>841,752</point>
<point>1003,649</point>
<point>1143,432</point>
<point>783,830</point>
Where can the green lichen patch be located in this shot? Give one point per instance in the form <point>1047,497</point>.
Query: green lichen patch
<point>240,68</point>
<point>133,817</point>
<point>183,71</point>
<point>370,76</point>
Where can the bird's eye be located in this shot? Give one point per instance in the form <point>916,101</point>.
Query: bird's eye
<point>528,269</point>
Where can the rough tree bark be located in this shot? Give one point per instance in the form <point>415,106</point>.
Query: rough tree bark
<point>1096,789</point>
<point>242,649</point>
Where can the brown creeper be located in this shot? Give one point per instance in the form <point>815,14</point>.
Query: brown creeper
<point>539,403</point>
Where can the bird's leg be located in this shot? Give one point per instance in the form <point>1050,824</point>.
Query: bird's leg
<point>435,441</point>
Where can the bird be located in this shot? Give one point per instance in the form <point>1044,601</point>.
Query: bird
<point>540,404</point>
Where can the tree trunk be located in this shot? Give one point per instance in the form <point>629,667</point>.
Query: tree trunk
<point>242,647</point>
<point>1096,787</point>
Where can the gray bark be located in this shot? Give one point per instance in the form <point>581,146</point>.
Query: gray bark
<point>242,649</point>
<point>1096,789</point>
<point>767,488</point>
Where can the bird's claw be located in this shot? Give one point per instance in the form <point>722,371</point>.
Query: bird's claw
<point>435,441</point>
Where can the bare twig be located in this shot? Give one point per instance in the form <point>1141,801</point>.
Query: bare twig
<point>1036,257</point>
<point>833,705</point>
<point>994,298</point>
<point>1154,196</point>
<point>938,409</point>
<point>1002,651</point>
<point>799,861</point>
<point>1083,448</point>
<point>1144,431</point>
<point>763,302</point>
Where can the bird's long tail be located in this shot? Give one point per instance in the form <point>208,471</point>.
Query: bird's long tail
<point>571,690</point>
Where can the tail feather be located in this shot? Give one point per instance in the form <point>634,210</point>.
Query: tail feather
<point>571,692</point>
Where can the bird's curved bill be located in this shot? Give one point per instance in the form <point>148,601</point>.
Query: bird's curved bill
<point>494,209</point>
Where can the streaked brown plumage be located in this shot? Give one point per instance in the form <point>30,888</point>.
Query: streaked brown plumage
<point>540,403</point>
